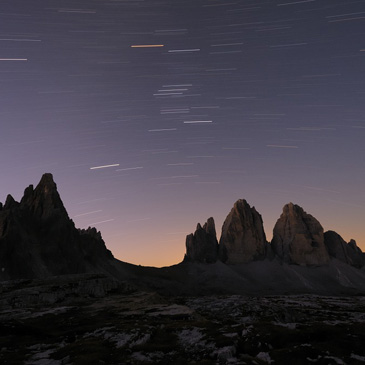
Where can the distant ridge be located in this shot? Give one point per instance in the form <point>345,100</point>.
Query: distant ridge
<point>298,238</point>
<point>38,240</point>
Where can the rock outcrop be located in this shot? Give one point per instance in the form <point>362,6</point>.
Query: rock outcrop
<point>357,257</point>
<point>343,251</point>
<point>336,246</point>
<point>38,239</point>
<point>298,238</point>
<point>202,246</point>
<point>243,238</point>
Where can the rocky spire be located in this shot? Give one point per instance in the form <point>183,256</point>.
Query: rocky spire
<point>298,238</point>
<point>10,203</point>
<point>44,201</point>
<point>209,227</point>
<point>243,238</point>
<point>202,246</point>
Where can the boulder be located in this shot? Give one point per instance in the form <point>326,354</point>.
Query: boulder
<point>298,238</point>
<point>243,238</point>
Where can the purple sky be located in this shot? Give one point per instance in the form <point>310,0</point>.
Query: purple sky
<point>258,99</point>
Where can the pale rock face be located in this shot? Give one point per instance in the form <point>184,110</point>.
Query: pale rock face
<point>298,238</point>
<point>243,238</point>
<point>202,246</point>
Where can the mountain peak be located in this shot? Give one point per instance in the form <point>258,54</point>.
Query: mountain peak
<point>44,201</point>
<point>292,209</point>
<point>38,238</point>
<point>243,238</point>
<point>209,227</point>
<point>47,183</point>
<point>9,202</point>
<point>298,237</point>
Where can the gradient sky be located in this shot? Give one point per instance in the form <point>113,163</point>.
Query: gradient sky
<point>262,100</point>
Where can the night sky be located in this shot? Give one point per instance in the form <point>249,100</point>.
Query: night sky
<point>153,115</point>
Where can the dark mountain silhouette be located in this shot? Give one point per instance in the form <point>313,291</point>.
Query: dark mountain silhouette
<point>202,246</point>
<point>39,241</point>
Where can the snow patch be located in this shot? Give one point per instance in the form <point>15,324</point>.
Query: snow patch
<point>41,355</point>
<point>314,360</point>
<point>291,326</point>
<point>225,353</point>
<point>121,339</point>
<point>141,341</point>
<point>336,360</point>
<point>358,357</point>
<point>58,310</point>
<point>230,335</point>
<point>190,337</point>
<point>172,310</point>
<point>264,356</point>
<point>151,357</point>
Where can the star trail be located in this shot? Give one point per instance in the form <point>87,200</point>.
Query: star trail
<point>154,115</point>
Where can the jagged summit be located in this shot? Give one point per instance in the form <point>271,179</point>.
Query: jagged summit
<point>44,201</point>
<point>209,227</point>
<point>9,202</point>
<point>45,186</point>
<point>38,239</point>
<point>298,238</point>
<point>202,246</point>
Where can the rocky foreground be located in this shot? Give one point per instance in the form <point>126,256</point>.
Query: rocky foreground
<point>108,323</point>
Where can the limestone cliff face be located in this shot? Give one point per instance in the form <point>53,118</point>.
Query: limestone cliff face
<point>202,246</point>
<point>38,239</point>
<point>298,238</point>
<point>243,238</point>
